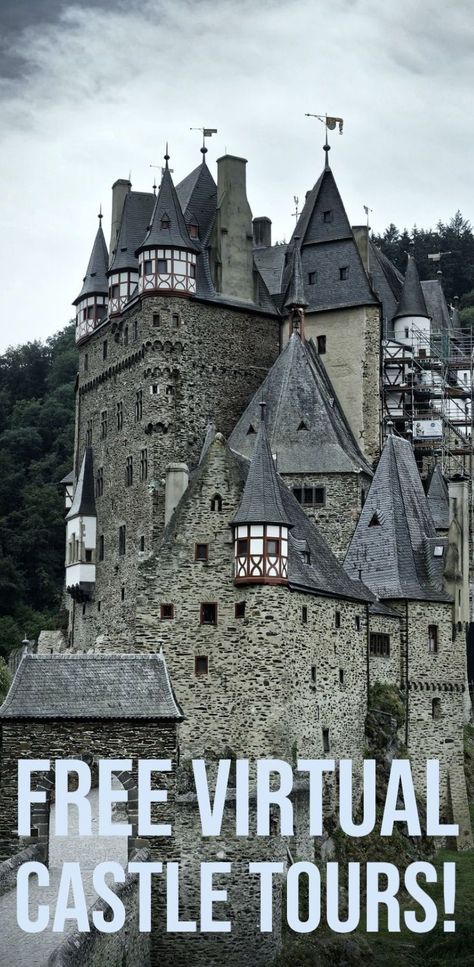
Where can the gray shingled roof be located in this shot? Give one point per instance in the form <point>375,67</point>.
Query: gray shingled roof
<point>100,686</point>
<point>412,301</point>
<point>95,280</point>
<point>270,263</point>
<point>387,283</point>
<point>298,391</point>
<point>167,207</point>
<point>438,499</point>
<point>197,195</point>
<point>436,307</point>
<point>136,217</point>
<point>84,496</point>
<point>393,544</point>
<point>261,501</point>
<point>295,294</point>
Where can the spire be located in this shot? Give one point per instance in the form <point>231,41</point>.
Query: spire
<point>412,301</point>
<point>95,279</point>
<point>167,227</point>
<point>83,504</point>
<point>261,501</point>
<point>395,542</point>
<point>295,298</point>
<point>438,499</point>
<point>136,215</point>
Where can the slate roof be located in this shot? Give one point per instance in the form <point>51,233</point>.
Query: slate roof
<point>197,195</point>
<point>84,495</point>
<point>436,307</point>
<point>438,499</point>
<point>136,216</point>
<point>387,283</point>
<point>393,543</point>
<point>99,686</point>
<point>270,263</point>
<point>261,502</point>
<point>95,279</point>
<point>412,301</point>
<point>167,206</point>
<point>298,391</point>
<point>295,294</point>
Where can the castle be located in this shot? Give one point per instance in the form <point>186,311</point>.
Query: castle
<point>246,495</point>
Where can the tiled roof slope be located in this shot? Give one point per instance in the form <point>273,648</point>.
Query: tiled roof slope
<point>84,495</point>
<point>136,216</point>
<point>168,208</point>
<point>197,195</point>
<point>95,279</point>
<point>306,427</point>
<point>261,502</point>
<point>412,301</point>
<point>436,307</point>
<point>99,686</point>
<point>393,544</point>
<point>438,499</point>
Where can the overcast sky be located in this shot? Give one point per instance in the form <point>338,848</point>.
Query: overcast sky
<point>92,90</point>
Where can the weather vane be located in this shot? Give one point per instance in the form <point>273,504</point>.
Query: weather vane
<point>296,212</point>
<point>330,123</point>
<point>206,133</point>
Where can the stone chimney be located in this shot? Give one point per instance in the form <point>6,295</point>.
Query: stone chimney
<point>233,238</point>
<point>120,190</point>
<point>177,477</point>
<point>262,232</point>
<point>361,235</point>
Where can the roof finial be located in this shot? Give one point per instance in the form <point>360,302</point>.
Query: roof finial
<point>100,215</point>
<point>330,123</point>
<point>262,410</point>
<point>154,186</point>
<point>206,133</point>
<point>167,157</point>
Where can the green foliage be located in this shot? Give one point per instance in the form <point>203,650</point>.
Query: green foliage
<point>387,698</point>
<point>456,237</point>
<point>4,680</point>
<point>36,448</point>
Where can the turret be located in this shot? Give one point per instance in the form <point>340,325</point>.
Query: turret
<point>412,322</point>
<point>81,534</point>
<point>261,524</point>
<point>167,255</point>
<point>91,303</point>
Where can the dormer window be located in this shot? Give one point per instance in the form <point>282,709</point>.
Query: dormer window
<point>438,551</point>
<point>374,520</point>
<point>303,425</point>
<point>327,216</point>
<point>311,278</point>
<point>250,430</point>
<point>165,222</point>
<point>193,230</point>
<point>344,272</point>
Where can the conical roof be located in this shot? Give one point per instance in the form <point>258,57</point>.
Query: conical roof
<point>136,216</point>
<point>394,543</point>
<point>83,504</point>
<point>167,212</point>
<point>295,296</point>
<point>261,501</point>
<point>412,301</point>
<point>305,424</point>
<point>95,279</point>
<point>438,499</point>
<point>197,195</point>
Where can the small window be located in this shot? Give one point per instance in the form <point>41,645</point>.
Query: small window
<point>148,267</point>
<point>216,503</point>
<point>88,556</point>
<point>122,593</point>
<point>240,609</point>
<point>379,644</point>
<point>119,416</point>
<point>319,496</point>
<point>162,267</point>
<point>313,674</point>
<point>175,320</point>
<point>201,665</point>
<point>89,433</point>
<point>311,278</point>
<point>154,389</point>
<point>86,362</point>
<point>99,483</point>
<point>143,465</point>
<point>298,494</point>
<point>193,230</point>
<point>103,424</point>
<point>407,332</point>
<point>242,547</point>
<point>357,622</point>
<point>165,223</point>
<point>99,604</point>
<point>307,495</point>
<point>273,547</point>
<point>374,520</point>
<point>304,614</point>
<point>156,319</point>
<point>138,405</point>
<point>422,353</point>
<point>326,746</point>
<point>101,548</point>
<point>321,345</point>
<point>192,270</point>
<point>142,544</point>
<point>129,472</point>
<point>327,216</point>
<point>306,557</point>
<point>436,708</point>
<point>167,612</point>
<point>122,539</point>
<point>201,552</point>
<point>135,330</point>
<point>209,613</point>
<point>433,639</point>
<point>344,272</point>
<point>438,551</point>
<point>125,336</point>
<point>104,349</point>
<point>341,676</point>
<point>337,619</point>
<point>250,430</point>
<point>303,425</point>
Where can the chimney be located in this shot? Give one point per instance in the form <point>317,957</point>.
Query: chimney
<point>262,232</point>
<point>361,235</point>
<point>120,191</point>
<point>177,477</point>
<point>233,234</point>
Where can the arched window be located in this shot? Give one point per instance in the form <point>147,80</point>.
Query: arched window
<point>216,503</point>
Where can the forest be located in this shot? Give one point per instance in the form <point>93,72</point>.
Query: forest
<point>37,430</point>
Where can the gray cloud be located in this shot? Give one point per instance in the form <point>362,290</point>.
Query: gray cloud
<point>101,89</point>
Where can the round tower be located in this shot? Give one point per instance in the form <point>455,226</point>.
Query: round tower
<point>91,303</point>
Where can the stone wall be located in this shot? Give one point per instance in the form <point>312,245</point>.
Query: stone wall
<point>344,496</point>
<point>205,370</point>
<point>385,668</point>
<point>35,853</point>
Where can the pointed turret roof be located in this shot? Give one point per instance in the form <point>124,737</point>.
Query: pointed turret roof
<point>136,216</point>
<point>412,301</point>
<point>305,424</point>
<point>167,210</point>
<point>83,504</point>
<point>261,501</point>
<point>438,499</point>
<point>295,296</point>
<point>95,279</point>
<point>197,195</point>
<point>393,547</point>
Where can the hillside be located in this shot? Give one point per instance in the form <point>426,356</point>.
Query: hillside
<point>36,446</point>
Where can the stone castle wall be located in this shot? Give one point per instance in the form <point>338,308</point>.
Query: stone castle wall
<point>344,496</point>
